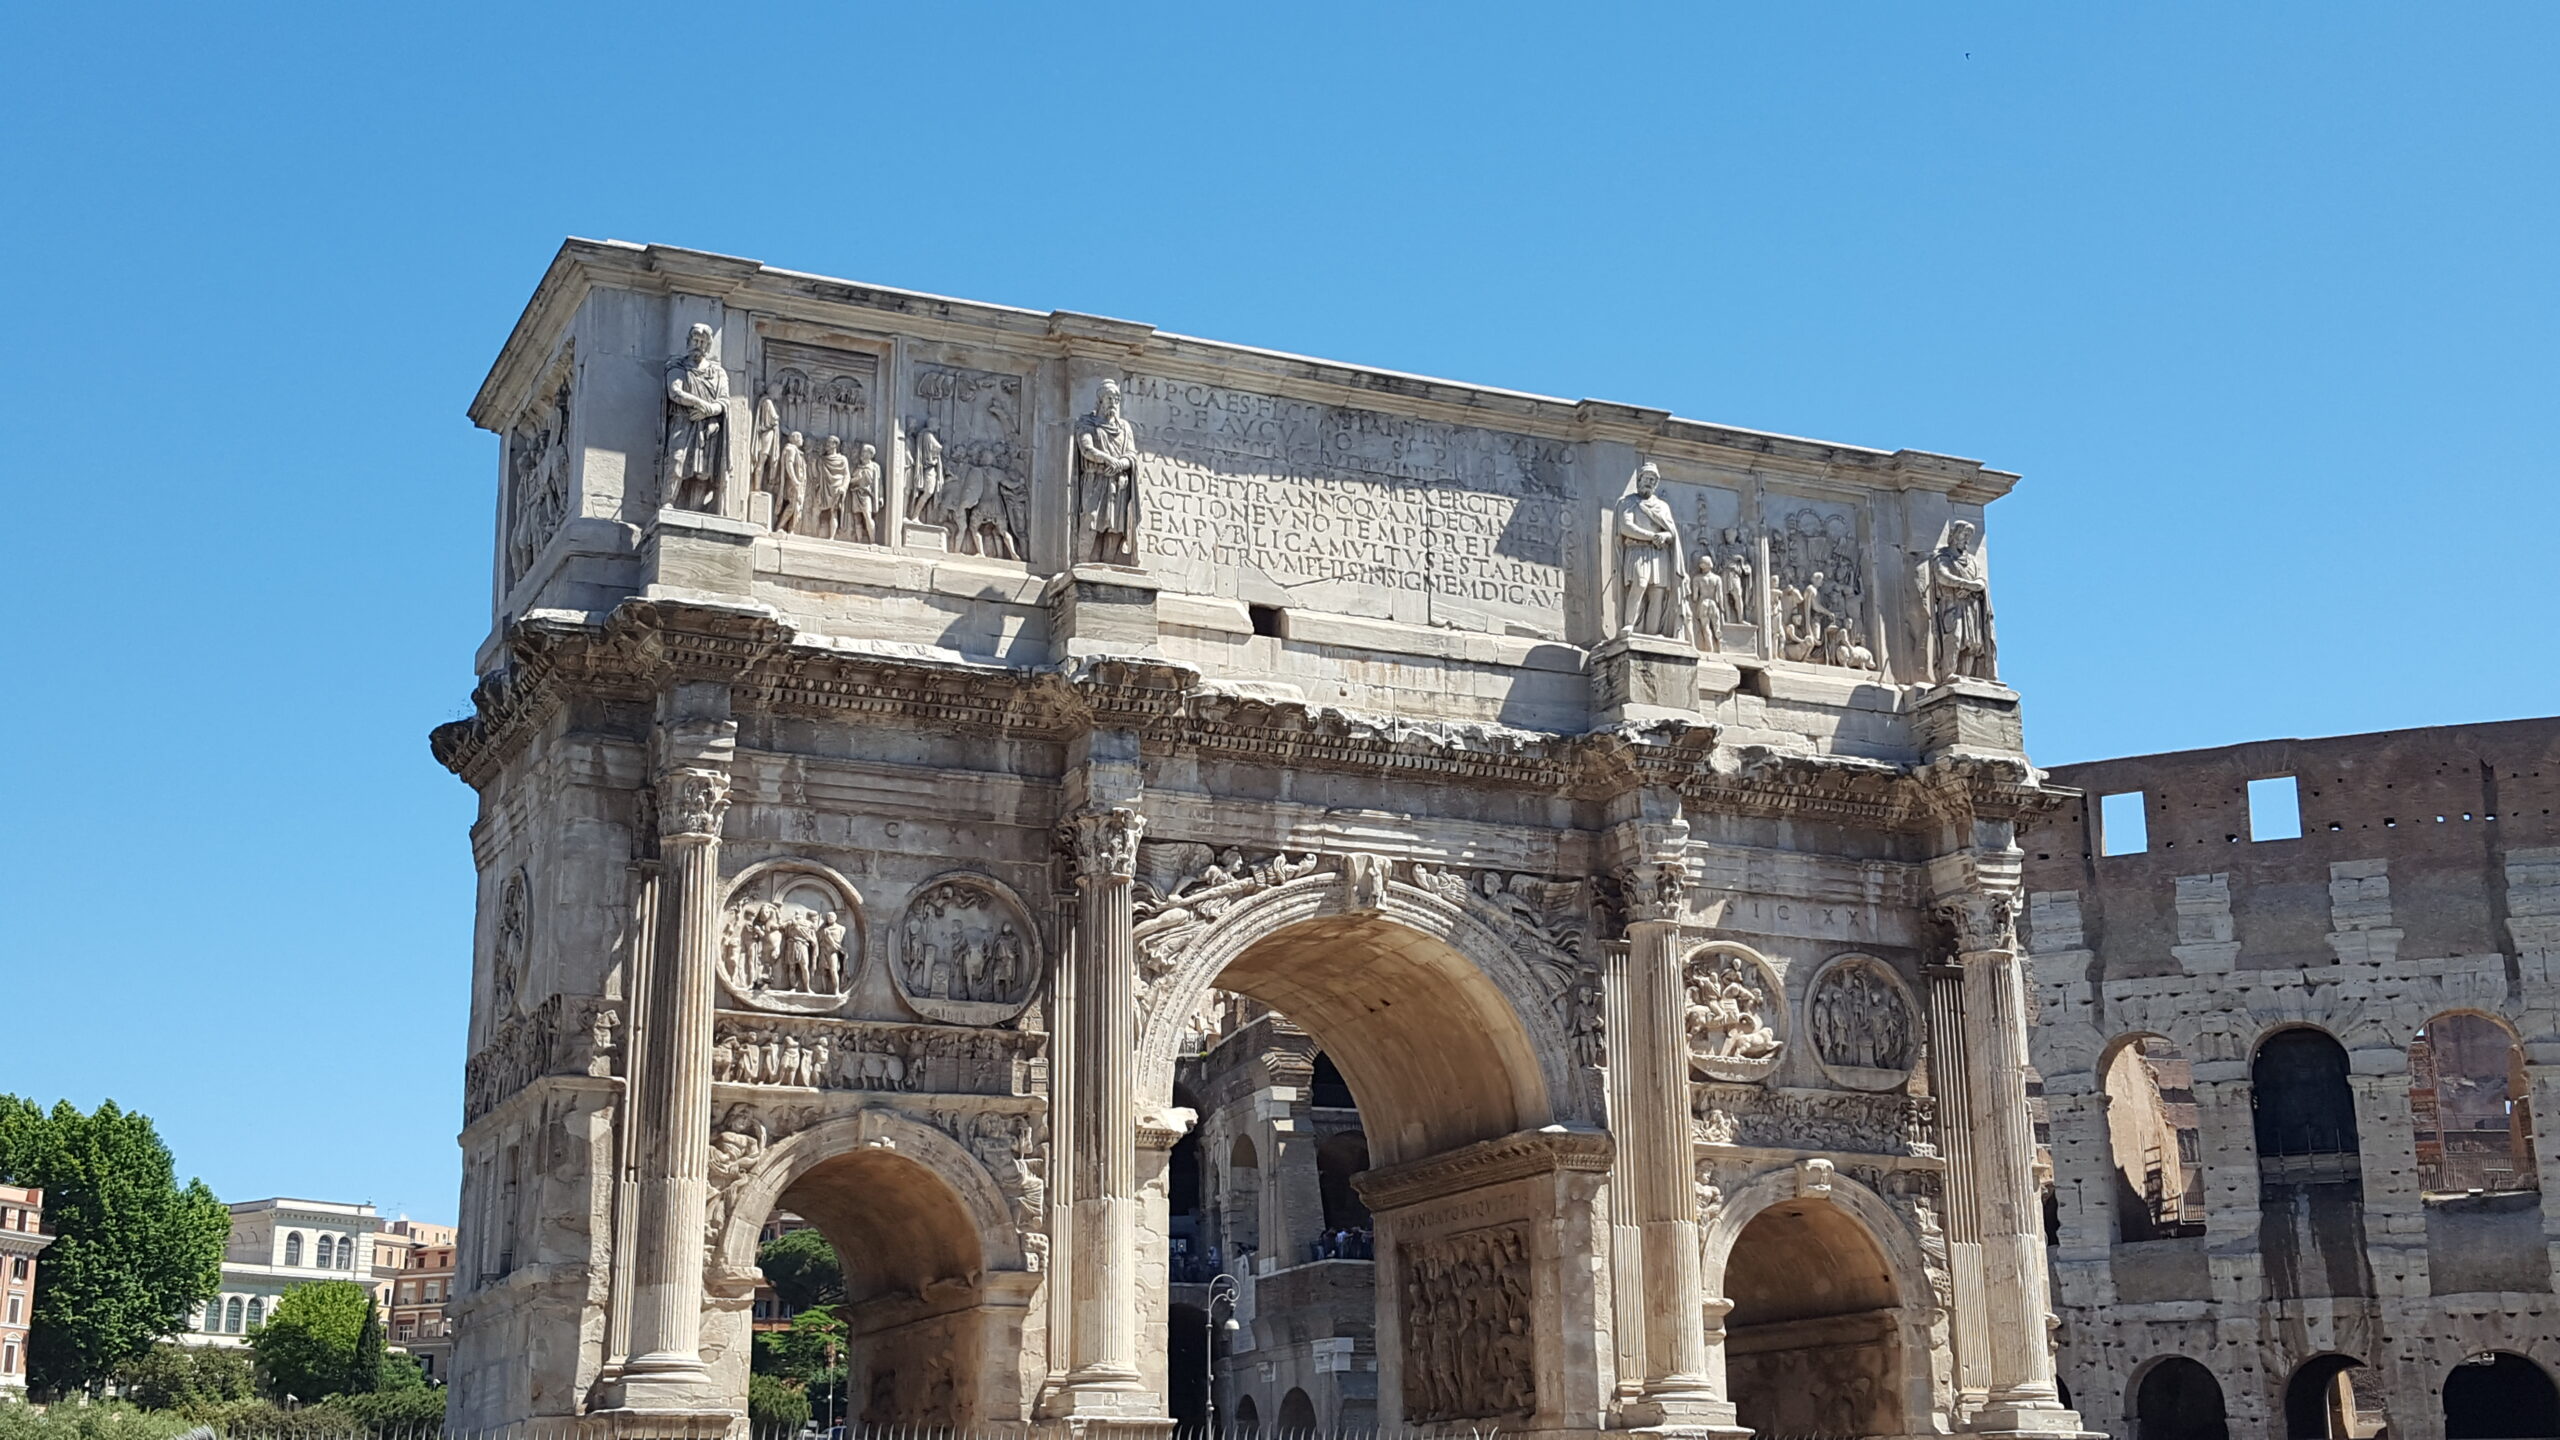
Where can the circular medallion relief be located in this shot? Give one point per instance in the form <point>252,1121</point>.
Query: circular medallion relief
<point>1861,1023</point>
<point>791,938</point>
<point>967,953</point>
<point>1735,1024</point>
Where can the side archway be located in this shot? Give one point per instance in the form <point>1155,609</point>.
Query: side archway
<point>937,1292</point>
<point>1829,1330</point>
<point>2500,1395</point>
<point>2175,1398</point>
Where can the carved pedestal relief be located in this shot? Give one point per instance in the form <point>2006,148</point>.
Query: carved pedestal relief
<point>1735,1024</point>
<point>1468,1326</point>
<point>968,953</point>
<point>969,465</point>
<point>1860,1020</point>
<point>791,939</point>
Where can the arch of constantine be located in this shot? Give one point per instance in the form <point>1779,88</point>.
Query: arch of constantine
<point>908,726</point>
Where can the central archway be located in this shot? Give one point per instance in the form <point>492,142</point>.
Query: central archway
<point>1484,1157</point>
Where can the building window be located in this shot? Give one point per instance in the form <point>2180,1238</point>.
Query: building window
<point>231,1315</point>
<point>257,1313</point>
<point>9,1359</point>
<point>293,1247</point>
<point>17,1309</point>
<point>18,1268</point>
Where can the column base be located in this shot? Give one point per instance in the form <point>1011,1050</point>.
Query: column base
<point>663,1389</point>
<point>1680,1414</point>
<point>655,1424</point>
<point>1105,1407</point>
<point>2029,1422</point>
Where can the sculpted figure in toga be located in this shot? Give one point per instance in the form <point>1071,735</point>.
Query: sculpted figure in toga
<point>1650,571</point>
<point>1959,601</point>
<point>697,425</point>
<point>1107,505</point>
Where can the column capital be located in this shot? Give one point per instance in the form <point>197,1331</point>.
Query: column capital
<point>691,803</point>
<point>1101,841</point>
<point>1653,867</point>
<point>1982,922</point>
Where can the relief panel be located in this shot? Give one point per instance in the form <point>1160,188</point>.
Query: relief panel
<point>1862,1024</point>
<point>814,453</point>
<point>1468,1326</point>
<point>1350,511</point>
<point>968,461</point>
<point>791,939</point>
<point>968,953</point>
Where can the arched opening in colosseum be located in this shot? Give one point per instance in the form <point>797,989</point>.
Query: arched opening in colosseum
<point>2500,1395</point>
<point>1328,1046</point>
<point>2178,1399</point>
<point>2303,1106</point>
<point>2332,1397</point>
<point>922,1345</point>
<point>2151,1127</point>
<point>1813,1344</point>
<point>2470,1106</point>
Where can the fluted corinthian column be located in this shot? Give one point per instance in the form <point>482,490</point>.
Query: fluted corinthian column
<point>1102,1352</point>
<point>2017,1291</point>
<point>671,1118</point>
<point>1661,1168</point>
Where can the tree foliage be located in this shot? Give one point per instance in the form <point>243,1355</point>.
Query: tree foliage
<point>802,1269</point>
<point>364,1371</point>
<point>308,1347</point>
<point>171,1376</point>
<point>776,1405</point>
<point>133,1251</point>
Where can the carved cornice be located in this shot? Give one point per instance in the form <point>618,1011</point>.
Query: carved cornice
<point>1516,1156</point>
<point>646,645</point>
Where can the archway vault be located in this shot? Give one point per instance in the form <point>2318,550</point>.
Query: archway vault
<point>1443,1030</point>
<point>867,1145</point>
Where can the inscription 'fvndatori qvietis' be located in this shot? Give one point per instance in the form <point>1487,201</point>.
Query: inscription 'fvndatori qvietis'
<point>1320,496</point>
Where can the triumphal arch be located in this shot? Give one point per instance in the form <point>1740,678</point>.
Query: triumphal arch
<point>905,719</point>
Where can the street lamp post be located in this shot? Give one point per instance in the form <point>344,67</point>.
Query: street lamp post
<point>1222,1290</point>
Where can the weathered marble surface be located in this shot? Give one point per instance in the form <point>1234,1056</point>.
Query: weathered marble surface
<point>882,776</point>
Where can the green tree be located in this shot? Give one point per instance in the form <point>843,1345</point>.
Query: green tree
<point>364,1372</point>
<point>802,1269</point>
<point>170,1376</point>
<point>133,1251</point>
<point>776,1405</point>
<point>307,1348</point>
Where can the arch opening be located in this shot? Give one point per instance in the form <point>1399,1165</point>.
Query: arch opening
<point>2470,1105</point>
<point>2304,1109</point>
<point>1813,1345</point>
<point>2179,1399</point>
<point>2158,1146</point>
<point>2500,1395</point>
<point>2325,1400</point>
<point>1331,1045</point>
<point>916,1342</point>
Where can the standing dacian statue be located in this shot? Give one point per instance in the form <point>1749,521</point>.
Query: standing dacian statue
<point>1107,505</point>
<point>1650,572</point>
<point>697,459</point>
<point>1957,596</point>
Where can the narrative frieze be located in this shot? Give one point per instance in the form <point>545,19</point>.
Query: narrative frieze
<point>1336,501</point>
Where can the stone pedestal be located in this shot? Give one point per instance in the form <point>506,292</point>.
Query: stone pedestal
<point>1101,610</point>
<point>688,553</point>
<point>1968,715</point>
<point>1637,679</point>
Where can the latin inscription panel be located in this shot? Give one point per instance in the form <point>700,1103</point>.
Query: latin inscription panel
<point>1351,511</point>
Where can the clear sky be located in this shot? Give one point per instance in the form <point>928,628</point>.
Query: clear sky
<point>2260,299</point>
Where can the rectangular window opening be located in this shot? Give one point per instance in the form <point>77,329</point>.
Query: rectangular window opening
<point>2275,809</point>
<point>1267,619</point>
<point>2122,827</point>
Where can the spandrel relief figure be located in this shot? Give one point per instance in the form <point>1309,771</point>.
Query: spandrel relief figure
<point>1651,572</point>
<point>1957,592</point>
<point>1107,501</point>
<point>697,448</point>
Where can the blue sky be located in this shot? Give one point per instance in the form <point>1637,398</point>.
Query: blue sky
<point>2260,299</point>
